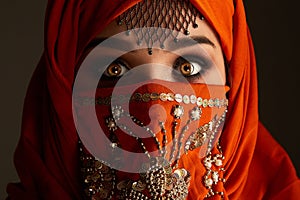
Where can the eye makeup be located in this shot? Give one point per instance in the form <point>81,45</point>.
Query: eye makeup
<point>199,66</point>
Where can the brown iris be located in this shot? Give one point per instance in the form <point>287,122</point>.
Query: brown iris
<point>186,68</point>
<point>114,70</point>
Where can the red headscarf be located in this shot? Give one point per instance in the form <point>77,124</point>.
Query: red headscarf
<point>46,157</point>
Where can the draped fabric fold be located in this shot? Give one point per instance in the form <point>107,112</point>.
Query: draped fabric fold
<point>47,157</point>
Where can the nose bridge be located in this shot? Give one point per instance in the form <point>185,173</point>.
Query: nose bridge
<point>155,66</point>
<point>154,70</point>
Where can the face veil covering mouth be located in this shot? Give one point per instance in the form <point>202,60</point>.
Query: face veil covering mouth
<point>142,130</point>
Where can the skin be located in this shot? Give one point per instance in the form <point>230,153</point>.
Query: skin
<point>162,63</point>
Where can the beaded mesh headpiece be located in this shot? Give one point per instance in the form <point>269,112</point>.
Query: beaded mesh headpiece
<point>168,16</point>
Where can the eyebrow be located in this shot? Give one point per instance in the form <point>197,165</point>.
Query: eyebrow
<point>182,42</point>
<point>202,40</point>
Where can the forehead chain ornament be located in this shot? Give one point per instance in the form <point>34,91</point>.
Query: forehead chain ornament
<point>167,17</point>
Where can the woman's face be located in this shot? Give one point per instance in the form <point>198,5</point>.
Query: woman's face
<point>199,62</point>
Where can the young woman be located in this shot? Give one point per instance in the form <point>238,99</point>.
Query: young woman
<point>147,100</point>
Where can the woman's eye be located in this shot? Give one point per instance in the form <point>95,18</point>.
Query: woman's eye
<point>116,69</point>
<point>190,68</point>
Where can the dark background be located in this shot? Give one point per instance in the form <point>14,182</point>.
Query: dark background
<point>274,27</point>
<point>275,31</point>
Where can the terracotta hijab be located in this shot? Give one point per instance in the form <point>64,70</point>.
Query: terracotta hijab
<point>46,157</point>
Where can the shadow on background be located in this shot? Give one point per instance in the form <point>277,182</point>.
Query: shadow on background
<point>276,40</point>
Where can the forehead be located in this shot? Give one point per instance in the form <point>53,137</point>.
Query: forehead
<point>169,20</point>
<point>203,29</point>
<point>172,14</point>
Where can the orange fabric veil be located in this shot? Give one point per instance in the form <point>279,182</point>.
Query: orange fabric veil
<point>46,157</point>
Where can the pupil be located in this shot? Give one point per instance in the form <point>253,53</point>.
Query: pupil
<point>114,70</point>
<point>186,69</point>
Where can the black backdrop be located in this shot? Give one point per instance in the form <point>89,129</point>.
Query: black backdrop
<point>275,32</point>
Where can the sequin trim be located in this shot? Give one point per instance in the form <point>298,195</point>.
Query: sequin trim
<point>146,97</point>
